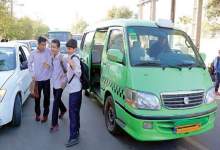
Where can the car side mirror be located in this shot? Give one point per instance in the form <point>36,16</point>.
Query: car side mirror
<point>203,55</point>
<point>115,55</point>
<point>24,65</point>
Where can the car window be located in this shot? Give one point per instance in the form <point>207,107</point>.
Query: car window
<point>22,56</point>
<point>7,58</point>
<point>26,51</point>
<point>116,40</point>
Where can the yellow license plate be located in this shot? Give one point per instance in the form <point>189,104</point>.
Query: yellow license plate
<point>187,128</point>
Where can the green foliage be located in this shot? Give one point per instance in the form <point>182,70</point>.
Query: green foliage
<point>185,20</point>
<point>213,9</point>
<point>119,12</point>
<point>79,26</point>
<point>23,28</point>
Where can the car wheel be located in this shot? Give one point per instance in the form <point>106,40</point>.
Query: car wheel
<point>17,112</point>
<point>110,116</point>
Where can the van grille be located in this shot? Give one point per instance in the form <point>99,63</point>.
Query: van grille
<point>180,100</point>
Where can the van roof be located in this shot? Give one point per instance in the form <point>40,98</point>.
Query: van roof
<point>122,23</point>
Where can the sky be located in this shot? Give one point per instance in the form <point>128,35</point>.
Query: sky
<point>61,14</point>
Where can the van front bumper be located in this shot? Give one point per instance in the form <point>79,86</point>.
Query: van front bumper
<point>156,128</point>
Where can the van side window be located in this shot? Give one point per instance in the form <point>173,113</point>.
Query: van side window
<point>87,41</point>
<point>116,40</point>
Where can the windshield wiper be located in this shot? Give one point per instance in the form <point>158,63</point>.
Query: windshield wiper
<point>190,65</point>
<point>158,65</point>
<point>171,66</point>
<point>148,64</point>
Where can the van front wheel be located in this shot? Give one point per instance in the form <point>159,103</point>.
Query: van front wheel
<point>110,116</point>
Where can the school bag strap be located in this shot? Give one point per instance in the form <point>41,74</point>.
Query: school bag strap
<point>71,67</point>
<point>62,65</point>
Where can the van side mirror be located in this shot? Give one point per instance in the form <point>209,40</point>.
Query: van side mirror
<point>203,55</point>
<point>24,65</point>
<point>115,55</point>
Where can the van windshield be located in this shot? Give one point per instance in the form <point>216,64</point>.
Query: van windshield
<point>7,59</point>
<point>163,47</point>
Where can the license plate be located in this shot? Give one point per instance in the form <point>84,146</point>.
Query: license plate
<point>187,128</point>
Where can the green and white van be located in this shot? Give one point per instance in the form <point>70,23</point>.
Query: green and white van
<point>150,78</point>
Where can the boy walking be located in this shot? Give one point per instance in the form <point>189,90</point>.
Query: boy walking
<point>39,64</point>
<point>59,81</point>
<point>217,73</point>
<point>75,91</point>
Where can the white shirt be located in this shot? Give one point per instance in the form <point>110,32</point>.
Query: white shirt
<point>58,76</point>
<point>36,67</point>
<point>75,85</point>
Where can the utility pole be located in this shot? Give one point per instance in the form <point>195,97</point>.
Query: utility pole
<point>198,23</point>
<point>153,10</point>
<point>12,5</point>
<point>173,10</point>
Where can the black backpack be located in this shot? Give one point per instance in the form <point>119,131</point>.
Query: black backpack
<point>84,79</point>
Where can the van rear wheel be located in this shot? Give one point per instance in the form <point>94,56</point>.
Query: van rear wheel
<point>17,112</point>
<point>110,116</point>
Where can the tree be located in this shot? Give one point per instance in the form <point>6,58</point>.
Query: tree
<point>79,26</point>
<point>185,20</point>
<point>5,21</point>
<point>39,29</point>
<point>213,15</point>
<point>119,12</point>
<point>213,9</point>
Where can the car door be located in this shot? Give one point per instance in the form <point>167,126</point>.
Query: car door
<point>86,47</point>
<point>24,74</point>
<point>113,72</point>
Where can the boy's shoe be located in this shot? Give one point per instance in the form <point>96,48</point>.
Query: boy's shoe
<point>61,115</point>
<point>72,142</point>
<point>217,93</point>
<point>44,119</point>
<point>37,118</point>
<point>54,128</point>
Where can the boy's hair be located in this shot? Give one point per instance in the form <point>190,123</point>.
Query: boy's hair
<point>41,39</point>
<point>57,42</point>
<point>72,43</point>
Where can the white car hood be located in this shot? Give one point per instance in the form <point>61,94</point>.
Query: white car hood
<point>4,76</point>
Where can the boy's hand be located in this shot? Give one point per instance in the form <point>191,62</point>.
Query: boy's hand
<point>71,63</point>
<point>46,65</point>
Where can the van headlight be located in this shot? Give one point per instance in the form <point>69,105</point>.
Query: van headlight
<point>2,94</point>
<point>209,95</point>
<point>142,100</point>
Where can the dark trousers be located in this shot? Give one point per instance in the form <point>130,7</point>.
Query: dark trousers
<point>45,86</point>
<point>57,104</point>
<point>75,100</point>
<point>217,81</point>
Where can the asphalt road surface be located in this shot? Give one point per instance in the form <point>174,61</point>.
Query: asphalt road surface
<point>33,135</point>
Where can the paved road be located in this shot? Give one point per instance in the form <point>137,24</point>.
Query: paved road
<point>94,136</point>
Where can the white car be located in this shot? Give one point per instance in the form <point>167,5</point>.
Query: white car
<point>15,81</point>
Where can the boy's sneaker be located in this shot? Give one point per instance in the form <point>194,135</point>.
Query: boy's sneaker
<point>54,128</point>
<point>217,93</point>
<point>72,142</point>
<point>37,118</point>
<point>62,114</point>
<point>44,119</point>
